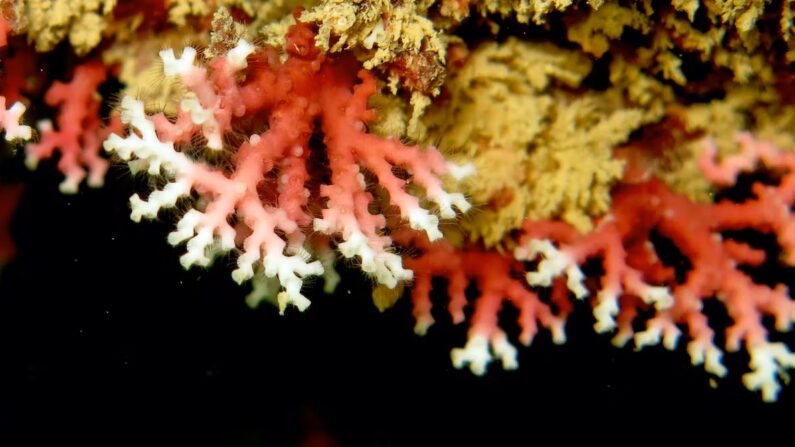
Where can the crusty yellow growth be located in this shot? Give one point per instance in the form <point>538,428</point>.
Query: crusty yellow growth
<point>776,125</point>
<point>632,85</point>
<point>48,22</point>
<point>85,22</point>
<point>396,118</point>
<point>743,14</point>
<point>382,32</point>
<point>383,26</point>
<point>595,31</point>
<point>136,52</point>
<point>384,297</point>
<point>141,69</point>
<point>499,87</point>
<point>787,11</point>
<point>737,51</point>
<point>273,18</point>
<point>498,193</point>
<point>730,42</point>
<point>269,19</point>
<point>272,10</point>
<point>749,108</point>
<point>392,115</point>
<point>719,119</point>
<point>225,34</point>
<point>180,11</point>
<point>572,169</point>
<point>543,148</point>
<point>526,10</point>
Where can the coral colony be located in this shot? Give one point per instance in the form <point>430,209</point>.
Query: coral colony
<point>498,144</point>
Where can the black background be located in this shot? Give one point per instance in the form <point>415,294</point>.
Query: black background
<point>105,339</point>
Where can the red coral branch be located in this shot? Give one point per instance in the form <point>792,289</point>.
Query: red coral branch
<point>277,106</point>
<point>635,278</point>
<point>80,129</point>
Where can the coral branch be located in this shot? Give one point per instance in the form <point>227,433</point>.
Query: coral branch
<point>80,130</point>
<point>260,204</point>
<point>493,274</point>
<point>635,278</point>
<point>9,121</point>
<point>695,229</point>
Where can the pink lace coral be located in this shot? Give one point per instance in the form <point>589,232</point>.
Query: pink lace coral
<point>262,117</point>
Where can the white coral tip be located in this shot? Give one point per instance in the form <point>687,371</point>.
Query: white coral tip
<point>177,66</point>
<point>236,57</point>
<point>284,299</point>
<point>422,220</point>
<point>459,172</point>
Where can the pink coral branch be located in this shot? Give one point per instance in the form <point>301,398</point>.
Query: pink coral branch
<point>639,210</point>
<point>5,30</point>
<point>635,278</point>
<point>695,229</point>
<point>80,131</point>
<point>267,189</point>
<point>493,273</point>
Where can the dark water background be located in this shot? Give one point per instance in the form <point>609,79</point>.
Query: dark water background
<point>104,338</point>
